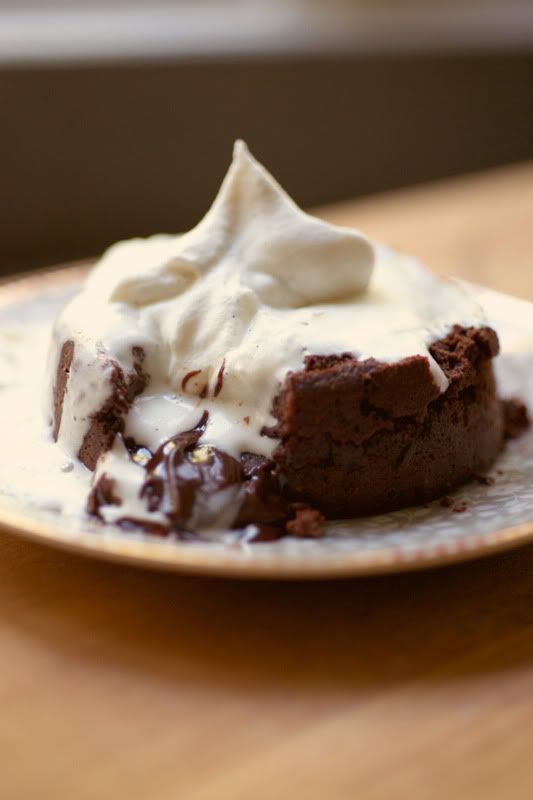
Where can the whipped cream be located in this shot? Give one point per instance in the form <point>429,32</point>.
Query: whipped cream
<point>225,311</point>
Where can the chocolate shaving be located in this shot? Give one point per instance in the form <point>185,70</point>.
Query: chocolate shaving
<point>220,379</point>
<point>188,376</point>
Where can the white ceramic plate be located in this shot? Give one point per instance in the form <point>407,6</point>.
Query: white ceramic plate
<point>495,517</point>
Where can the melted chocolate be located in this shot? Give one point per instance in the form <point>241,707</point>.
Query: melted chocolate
<point>191,484</point>
<point>196,486</point>
<point>103,493</point>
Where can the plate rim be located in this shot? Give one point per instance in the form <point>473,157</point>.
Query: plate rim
<point>172,556</point>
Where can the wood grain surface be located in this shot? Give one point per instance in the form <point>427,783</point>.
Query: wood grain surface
<point>118,683</point>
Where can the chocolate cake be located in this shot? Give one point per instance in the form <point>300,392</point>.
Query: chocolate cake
<point>267,371</point>
<point>108,420</point>
<point>364,437</point>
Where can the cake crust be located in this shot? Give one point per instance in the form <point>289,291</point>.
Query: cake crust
<point>362,437</point>
<point>109,420</point>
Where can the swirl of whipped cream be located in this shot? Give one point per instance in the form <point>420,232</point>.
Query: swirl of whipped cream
<point>288,258</point>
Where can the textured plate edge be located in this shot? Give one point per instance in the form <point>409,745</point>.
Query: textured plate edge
<point>176,557</point>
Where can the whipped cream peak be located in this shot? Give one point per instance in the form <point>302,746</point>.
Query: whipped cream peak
<point>254,231</point>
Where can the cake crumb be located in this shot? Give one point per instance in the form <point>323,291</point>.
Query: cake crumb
<point>246,420</point>
<point>485,480</point>
<point>460,507</point>
<point>447,501</point>
<point>516,418</point>
<point>308,523</point>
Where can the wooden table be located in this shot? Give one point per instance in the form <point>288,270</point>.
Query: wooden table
<point>118,683</point>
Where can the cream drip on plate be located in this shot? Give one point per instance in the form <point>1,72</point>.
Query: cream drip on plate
<point>225,311</point>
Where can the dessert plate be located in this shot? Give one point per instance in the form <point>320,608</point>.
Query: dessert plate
<point>489,515</point>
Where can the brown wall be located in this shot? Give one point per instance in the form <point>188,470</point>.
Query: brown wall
<point>95,154</point>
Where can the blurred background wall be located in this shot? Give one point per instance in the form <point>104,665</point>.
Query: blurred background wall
<point>117,119</point>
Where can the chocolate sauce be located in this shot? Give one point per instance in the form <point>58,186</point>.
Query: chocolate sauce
<point>197,486</point>
<point>103,493</point>
<point>184,480</point>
